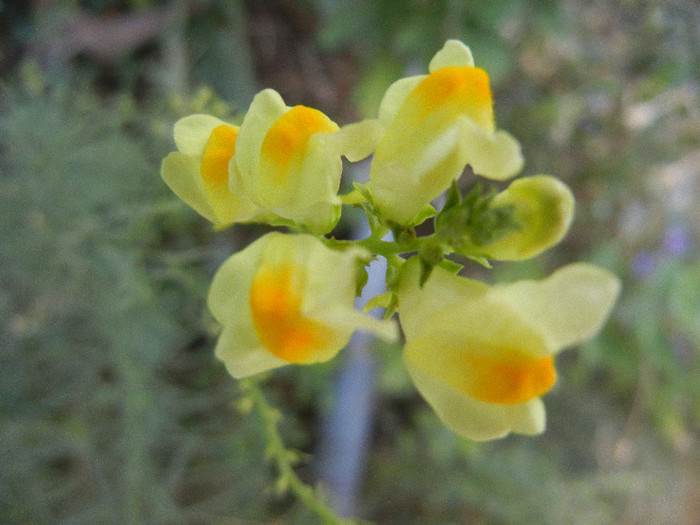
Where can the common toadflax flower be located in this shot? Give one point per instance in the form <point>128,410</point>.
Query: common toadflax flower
<point>483,355</point>
<point>288,299</point>
<point>435,125</point>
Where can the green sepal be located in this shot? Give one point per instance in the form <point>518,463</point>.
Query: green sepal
<point>403,236</point>
<point>453,197</point>
<point>376,225</point>
<point>425,271</point>
<point>452,266</point>
<point>483,261</point>
<point>383,300</point>
<point>386,300</point>
<point>427,212</point>
<point>391,308</point>
<point>362,278</point>
<point>364,191</point>
<point>353,197</point>
<point>468,224</point>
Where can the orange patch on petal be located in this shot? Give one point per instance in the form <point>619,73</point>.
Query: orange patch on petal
<point>510,378</point>
<point>453,91</point>
<point>275,302</point>
<point>218,151</point>
<point>287,138</point>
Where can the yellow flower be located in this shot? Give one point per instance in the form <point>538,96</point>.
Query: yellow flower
<point>482,355</point>
<point>288,161</point>
<point>198,173</point>
<point>288,299</point>
<point>434,126</point>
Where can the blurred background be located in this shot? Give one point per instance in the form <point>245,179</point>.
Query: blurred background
<point>112,406</point>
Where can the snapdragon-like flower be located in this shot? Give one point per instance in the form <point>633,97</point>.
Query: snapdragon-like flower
<point>435,125</point>
<point>288,161</point>
<point>198,173</point>
<point>483,355</point>
<point>288,299</point>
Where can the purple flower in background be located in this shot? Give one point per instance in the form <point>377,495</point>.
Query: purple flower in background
<point>677,241</point>
<point>644,264</point>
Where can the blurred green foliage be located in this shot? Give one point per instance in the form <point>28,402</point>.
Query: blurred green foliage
<point>113,410</point>
<point>112,406</point>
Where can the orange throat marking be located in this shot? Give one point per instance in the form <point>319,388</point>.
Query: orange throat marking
<point>511,379</point>
<point>218,151</point>
<point>275,302</point>
<point>288,137</point>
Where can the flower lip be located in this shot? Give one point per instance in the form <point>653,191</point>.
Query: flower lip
<point>219,150</point>
<point>451,91</point>
<point>276,308</point>
<point>497,373</point>
<point>512,378</point>
<point>287,139</point>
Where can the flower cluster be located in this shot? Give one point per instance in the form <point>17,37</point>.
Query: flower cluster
<point>480,355</point>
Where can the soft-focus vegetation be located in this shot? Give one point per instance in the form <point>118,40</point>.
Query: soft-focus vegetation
<point>112,406</point>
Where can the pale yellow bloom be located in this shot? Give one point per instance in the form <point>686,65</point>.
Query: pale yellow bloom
<point>288,299</point>
<point>435,125</point>
<point>198,172</point>
<point>288,161</point>
<point>483,355</point>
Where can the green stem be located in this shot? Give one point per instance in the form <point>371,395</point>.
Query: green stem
<point>384,248</point>
<point>284,458</point>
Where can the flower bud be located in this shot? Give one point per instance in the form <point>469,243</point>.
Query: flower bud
<point>483,355</point>
<point>542,207</point>
<point>288,299</point>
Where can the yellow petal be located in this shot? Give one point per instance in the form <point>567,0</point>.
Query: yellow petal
<point>394,97</point>
<point>181,173</point>
<point>198,173</point>
<point>192,132</point>
<point>479,367</point>
<point>482,355</point>
<point>358,140</point>
<point>287,163</point>
<point>494,155</point>
<point>461,313</point>
<point>435,126</point>
<point>568,307</point>
<point>453,53</point>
